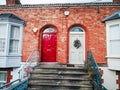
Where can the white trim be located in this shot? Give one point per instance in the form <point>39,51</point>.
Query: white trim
<point>76,33</point>
<point>108,24</point>
<point>11,59</point>
<point>113,57</point>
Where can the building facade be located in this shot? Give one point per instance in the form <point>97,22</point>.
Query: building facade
<point>62,33</point>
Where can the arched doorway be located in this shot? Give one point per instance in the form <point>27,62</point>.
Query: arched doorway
<point>49,45</point>
<point>76,46</point>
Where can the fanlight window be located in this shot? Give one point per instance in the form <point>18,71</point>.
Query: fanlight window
<point>49,30</point>
<point>76,29</point>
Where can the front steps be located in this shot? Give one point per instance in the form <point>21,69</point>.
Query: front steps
<point>59,77</point>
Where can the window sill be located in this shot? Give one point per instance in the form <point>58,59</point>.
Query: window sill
<point>113,57</point>
<point>12,55</point>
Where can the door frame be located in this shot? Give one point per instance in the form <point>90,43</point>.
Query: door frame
<point>83,33</point>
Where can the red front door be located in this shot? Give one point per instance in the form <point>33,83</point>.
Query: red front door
<point>49,45</point>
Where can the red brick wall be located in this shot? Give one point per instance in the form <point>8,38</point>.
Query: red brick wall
<point>89,18</point>
<point>10,2</point>
<point>118,81</point>
<point>116,0</point>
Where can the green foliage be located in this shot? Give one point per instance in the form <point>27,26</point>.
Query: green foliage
<point>89,69</point>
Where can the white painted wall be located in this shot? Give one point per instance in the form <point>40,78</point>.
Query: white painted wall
<point>114,64</point>
<point>15,71</point>
<point>110,78</point>
<point>15,74</point>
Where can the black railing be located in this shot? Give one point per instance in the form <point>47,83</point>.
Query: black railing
<point>22,85</point>
<point>94,71</point>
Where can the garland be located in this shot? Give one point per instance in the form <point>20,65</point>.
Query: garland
<point>76,44</point>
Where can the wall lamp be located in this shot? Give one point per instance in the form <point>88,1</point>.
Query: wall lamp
<point>66,13</point>
<point>35,30</point>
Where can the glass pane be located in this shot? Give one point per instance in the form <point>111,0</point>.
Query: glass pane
<point>2,76</point>
<point>49,30</point>
<point>1,84</point>
<point>2,45</point>
<point>3,29</point>
<point>14,46</point>
<point>15,32</point>
<point>115,47</point>
<point>14,39</point>
<point>114,32</point>
<point>76,29</point>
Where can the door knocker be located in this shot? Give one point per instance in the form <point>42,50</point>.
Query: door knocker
<point>77,44</point>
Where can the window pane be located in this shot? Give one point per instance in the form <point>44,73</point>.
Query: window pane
<point>2,37</point>
<point>114,32</point>
<point>115,47</point>
<point>14,46</point>
<point>2,45</point>
<point>3,28</point>
<point>14,39</point>
<point>76,29</point>
<point>49,30</point>
<point>3,76</point>
<point>15,32</point>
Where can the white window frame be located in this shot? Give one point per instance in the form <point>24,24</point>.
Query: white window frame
<point>7,42</point>
<point>4,82</point>
<point>108,24</point>
<point>4,37</point>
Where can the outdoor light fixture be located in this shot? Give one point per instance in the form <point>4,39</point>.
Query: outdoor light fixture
<point>35,30</point>
<point>66,13</point>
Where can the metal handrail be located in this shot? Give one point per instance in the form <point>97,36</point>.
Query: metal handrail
<point>34,57</point>
<point>9,84</point>
<point>22,85</point>
<point>93,68</point>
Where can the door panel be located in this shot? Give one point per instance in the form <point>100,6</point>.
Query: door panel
<point>76,54</point>
<point>49,47</point>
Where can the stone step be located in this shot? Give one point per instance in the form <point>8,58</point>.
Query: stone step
<point>57,84</point>
<point>59,78</point>
<point>54,76</point>
<point>58,72</point>
<point>63,70</point>
<point>58,67</point>
<point>55,64</point>
<point>85,82</point>
<point>61,88</point>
